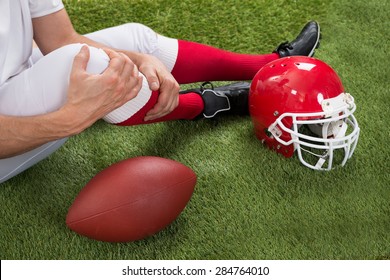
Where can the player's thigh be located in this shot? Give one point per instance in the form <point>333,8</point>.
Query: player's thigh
<point>130,36</point>
<point>139,38</point>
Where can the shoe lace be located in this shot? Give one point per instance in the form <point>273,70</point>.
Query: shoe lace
<point>285,45</point>
<point>206,85</point>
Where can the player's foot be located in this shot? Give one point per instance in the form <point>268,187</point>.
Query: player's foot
<point>305,44</point>
<point>230,99</point>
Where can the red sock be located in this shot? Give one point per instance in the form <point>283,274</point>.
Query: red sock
<point>190,106</point>
<point>198,63</point>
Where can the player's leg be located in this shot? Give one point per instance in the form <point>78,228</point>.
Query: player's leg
<point>205,101</point>
<point>140,38</point>
<point>192,62</point>
<point>188,61</point>
<point>198,62</point>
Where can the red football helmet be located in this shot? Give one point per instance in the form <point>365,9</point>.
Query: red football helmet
<point>298,104</point>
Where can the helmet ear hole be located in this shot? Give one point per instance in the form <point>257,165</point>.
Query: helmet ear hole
<point>268,133</point>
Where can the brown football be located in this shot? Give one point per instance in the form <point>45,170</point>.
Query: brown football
<point>132,199</point>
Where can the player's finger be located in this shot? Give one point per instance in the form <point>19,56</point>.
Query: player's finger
<point>166,103</point>
<point>152,78</point>
<point>80,61</point>
<point>129,68</point>
<point>135,89</point>
<point>133,81</point>
<point>116,64</point>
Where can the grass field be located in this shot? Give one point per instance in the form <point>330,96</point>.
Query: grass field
<point>249,203</point>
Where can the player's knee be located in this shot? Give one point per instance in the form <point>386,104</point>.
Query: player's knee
<point>144,37</point>
<point>98,60</point>
<point>138,27</point>
<point>57,79</point>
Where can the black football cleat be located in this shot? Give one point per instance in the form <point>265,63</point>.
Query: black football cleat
<point>305,44</point>
<point>230,99</point>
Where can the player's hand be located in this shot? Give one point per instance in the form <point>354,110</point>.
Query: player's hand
<point>91,97</point>
<point>159,78</point>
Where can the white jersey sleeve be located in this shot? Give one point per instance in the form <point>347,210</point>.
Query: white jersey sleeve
<point>39,8</point>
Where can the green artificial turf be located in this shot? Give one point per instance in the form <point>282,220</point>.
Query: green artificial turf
<point>249,203</point>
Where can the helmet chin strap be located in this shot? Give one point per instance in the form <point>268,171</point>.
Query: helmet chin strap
<point>321,161</point>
